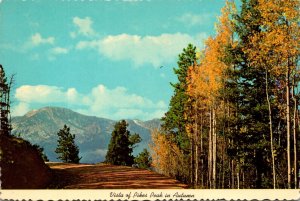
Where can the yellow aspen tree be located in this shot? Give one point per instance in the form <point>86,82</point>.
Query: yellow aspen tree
<point>166,156</point>
<point>276,49</point>
<point>205,83</point>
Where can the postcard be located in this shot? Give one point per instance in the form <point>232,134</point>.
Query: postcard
<point>149,99</point>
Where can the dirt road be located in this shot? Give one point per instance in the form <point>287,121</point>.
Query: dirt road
<point>103,176</point>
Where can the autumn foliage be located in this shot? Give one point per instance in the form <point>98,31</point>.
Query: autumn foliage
<point>241,109</point>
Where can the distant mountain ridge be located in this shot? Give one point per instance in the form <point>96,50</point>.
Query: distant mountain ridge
<point>92,133</point>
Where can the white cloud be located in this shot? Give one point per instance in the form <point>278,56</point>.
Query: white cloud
<point>59,50</point>
<point>20,109</point>
<point>84,26</point>
<point>119,103</point>
<point>56,51</point>
<point>45,94</point>
<point>94,44</point>
<point>32,42</point>
<point>190,19</point>
<point>72,95</point>
<point>37,39</point>
<point>155,50</point>
<point>101,101</point>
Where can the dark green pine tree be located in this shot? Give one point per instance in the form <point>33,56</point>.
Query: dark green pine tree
<point>245,90</point>
<point>174,121</point>
<point>121,145</point>
<point>143,160</point>
<point>5,86</point>
<point>67,150</point>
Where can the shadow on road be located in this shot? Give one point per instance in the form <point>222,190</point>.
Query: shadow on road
<point>102,176</point>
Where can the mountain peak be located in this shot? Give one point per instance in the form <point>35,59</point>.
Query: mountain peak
<point>51,108</point>
<point>31,113</point>
<point>92,133</point>
<point>48,110</point>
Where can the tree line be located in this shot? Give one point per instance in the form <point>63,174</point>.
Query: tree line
<point>119,151</point>
<point>233,120</point>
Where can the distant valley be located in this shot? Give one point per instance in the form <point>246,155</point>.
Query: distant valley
<point>92,133</point>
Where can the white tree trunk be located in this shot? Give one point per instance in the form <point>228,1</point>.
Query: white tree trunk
<point>288,126</point>
<point>271,132</point>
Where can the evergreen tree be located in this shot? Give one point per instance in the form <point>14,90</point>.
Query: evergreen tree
<point>174,121</point>
<point>134,139</point>
<point>253,90</point>
<point>5,86</point>
<point>241,103</point>
<point>251,115</point>
<point>67,149</point>
<point>121,145</point>
<point>143,160</point>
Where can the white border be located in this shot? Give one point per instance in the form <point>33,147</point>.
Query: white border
<point>135,194</point>
<point>259,194</point>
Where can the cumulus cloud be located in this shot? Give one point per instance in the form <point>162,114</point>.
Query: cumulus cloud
<point>46,94</point>
<point>94,44</point>
<point>59,50</point>
<point>56,51</point>
<point>20,109</point>
<point>84,26</point>
<point>190,19</point>
<point>119,103</point>
<point>37,39</point>
<point>34,41</point>
<point>155,50</point>
<point>101,101</point>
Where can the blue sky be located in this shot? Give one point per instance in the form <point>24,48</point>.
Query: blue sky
<point>99,57</point>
